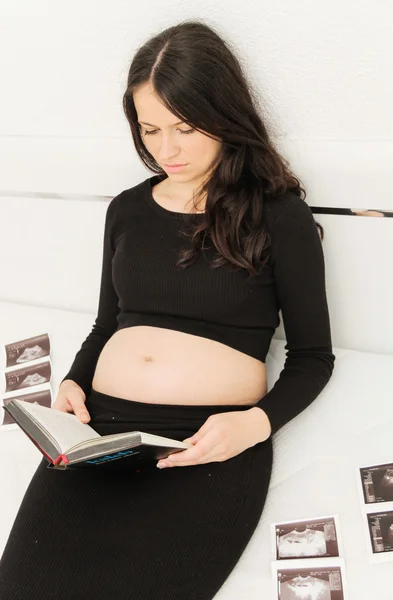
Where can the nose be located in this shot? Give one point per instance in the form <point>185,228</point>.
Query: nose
<point>168,150</point>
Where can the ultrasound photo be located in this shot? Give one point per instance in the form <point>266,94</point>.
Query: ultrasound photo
<point>27,376</point>
<point>307,538</point>
<point>26,350</point>
<point>380,526</point>
<point>323,583</point>
<point>377,483</point>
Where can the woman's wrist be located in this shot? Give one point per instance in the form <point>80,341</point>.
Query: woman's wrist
<point>68,383</point>
<point>262,423</point>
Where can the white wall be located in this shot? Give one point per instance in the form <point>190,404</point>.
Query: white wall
<point>323,74</point>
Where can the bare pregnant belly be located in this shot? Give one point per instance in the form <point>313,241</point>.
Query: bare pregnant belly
<point>163,366</point>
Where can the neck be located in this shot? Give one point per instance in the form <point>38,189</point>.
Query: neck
<point>184,193</point>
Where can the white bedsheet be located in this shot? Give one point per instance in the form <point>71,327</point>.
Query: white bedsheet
<point>350,424</point>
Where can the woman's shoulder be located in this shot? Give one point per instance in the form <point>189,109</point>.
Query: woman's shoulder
<point>280,203</point>
<point>286,210</point>
<point>128,194</point>
<point>122,204</point>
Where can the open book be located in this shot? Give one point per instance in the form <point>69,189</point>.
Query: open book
<point>66,442</point>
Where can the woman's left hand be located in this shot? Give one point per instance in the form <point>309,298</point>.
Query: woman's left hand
<point>221,437</point>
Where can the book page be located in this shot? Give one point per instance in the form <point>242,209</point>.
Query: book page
<point>64,427</point>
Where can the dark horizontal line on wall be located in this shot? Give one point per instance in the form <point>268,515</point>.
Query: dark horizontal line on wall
<point>326,210</point>
<point>352,212</point>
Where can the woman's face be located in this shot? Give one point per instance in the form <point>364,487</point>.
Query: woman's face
<point>170,141</point>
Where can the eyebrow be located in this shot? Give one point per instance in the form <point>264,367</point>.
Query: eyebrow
<point>178,123</point>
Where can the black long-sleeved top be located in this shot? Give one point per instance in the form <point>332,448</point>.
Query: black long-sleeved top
<point>140,285</point>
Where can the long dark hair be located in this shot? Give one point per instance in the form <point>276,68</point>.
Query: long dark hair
<point>199,79</point>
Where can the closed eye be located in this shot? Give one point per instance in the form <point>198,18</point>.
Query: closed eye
<point>153,131</point>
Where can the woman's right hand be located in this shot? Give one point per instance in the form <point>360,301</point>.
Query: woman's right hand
<point>71,398</point>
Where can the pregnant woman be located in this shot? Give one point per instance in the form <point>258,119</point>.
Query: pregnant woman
<point>198,260</point>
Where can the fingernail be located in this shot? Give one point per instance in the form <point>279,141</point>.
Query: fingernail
<point>161,465</point>
<point>85,416</point>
